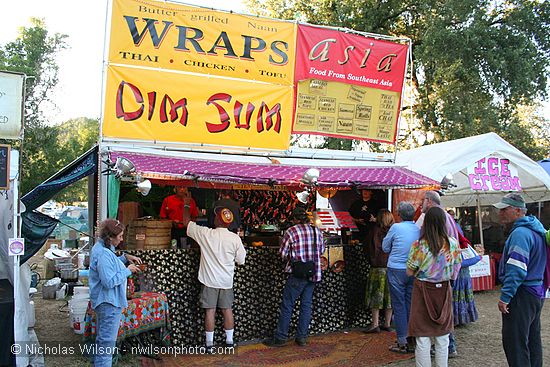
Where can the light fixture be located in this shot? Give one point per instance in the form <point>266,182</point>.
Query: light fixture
<point>302,196</point>
<point>143,186</point>
<point>123,166</point>
<point>447,182</point>
<point>311,176</point>
<point>327,192</point>
<point>317,220</point>
<point>120,168</point>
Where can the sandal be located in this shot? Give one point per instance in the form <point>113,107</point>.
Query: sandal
<point>371,329</point>
<point>401,348</point>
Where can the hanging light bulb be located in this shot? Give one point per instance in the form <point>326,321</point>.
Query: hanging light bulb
<point>123,166</point>
<point>143,186</point>
<point>302,196</point>
<point>311,176</point>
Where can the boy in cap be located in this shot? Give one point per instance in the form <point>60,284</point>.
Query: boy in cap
<point>220,250</point>
<point>227,201</point>
<point>521,272</point>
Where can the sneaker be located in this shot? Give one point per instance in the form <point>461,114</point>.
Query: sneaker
<point>230,345</point>
<point>453,354</point>
<point>209,349</point>
<point>372,330</point>
<point>274,342</point>
<point>302,342</point>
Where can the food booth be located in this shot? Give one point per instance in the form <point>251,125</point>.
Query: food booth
<point>266,188</point>
<point>209,100</point>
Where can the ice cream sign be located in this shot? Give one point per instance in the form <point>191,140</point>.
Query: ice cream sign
<point>493,174</point>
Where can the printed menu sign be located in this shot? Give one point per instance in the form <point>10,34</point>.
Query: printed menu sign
<point>348,111</point>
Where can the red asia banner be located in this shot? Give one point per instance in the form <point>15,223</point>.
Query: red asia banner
<point>348,85</point>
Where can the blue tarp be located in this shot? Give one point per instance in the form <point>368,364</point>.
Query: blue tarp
<point>545,163</point>
<point>37,227</point>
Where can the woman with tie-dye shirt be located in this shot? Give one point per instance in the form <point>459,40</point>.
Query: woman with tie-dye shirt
<point>434,260</point>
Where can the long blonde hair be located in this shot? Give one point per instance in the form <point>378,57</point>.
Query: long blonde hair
<point>384,219</point>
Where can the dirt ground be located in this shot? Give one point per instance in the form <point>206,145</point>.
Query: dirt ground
<point>478,343</point>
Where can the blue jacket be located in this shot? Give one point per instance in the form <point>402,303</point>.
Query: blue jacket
<point>524,259</point>
<point>108,274</point>
<point>398,243</point>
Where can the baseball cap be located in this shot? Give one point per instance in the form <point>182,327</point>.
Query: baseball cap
<point>511,199</point>
<point>224,215</point>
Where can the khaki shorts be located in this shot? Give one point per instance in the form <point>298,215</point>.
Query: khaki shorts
<point>216,297</point>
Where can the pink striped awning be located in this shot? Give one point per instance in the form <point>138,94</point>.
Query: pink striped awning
<point>272,174</point>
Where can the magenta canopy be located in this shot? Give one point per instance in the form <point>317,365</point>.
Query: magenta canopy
<point>272,174</point>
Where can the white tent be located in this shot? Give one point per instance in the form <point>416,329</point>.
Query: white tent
<point>456,156</point>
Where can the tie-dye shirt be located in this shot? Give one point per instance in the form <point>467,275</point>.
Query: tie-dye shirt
<point>428,268</point>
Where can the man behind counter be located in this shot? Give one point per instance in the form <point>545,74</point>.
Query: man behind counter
<point>363,211</point>
<point>173,208</point>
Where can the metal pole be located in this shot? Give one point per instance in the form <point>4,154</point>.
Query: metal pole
<point>16,266</point>
<point>480,222</point>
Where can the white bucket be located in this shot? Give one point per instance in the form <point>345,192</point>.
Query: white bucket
<point>79,291</point>
<point>77,311</point>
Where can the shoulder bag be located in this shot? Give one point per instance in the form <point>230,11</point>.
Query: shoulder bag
<point>304,269</point>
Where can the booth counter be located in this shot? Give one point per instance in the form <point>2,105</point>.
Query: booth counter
<point>266,189</point>
<point>338,300</point>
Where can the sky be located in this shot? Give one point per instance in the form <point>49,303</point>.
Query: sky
<point>78,93</point>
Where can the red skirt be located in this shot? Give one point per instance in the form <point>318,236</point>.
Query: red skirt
<point>431,309</point>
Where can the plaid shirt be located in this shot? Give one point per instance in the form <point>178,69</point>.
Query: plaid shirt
<point>300,238</point>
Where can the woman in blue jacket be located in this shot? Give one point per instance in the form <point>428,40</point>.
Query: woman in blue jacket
<point>107,280</point>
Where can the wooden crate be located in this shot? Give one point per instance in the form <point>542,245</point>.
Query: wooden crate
<point>149,234</point>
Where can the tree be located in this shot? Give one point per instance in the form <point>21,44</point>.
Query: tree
<point>74,138</point>
<point>476,62</point>
<point>33,53</point>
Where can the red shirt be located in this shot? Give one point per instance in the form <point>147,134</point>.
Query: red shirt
<point>172,208</point>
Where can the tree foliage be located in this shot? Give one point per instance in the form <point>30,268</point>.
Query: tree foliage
<point>34,54</point>
<point>74,138</point>
<point>476,63</point>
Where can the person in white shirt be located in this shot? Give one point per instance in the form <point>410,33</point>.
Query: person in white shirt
<point>220,250</point>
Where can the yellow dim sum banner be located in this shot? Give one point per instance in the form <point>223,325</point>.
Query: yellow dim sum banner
<point>168,106</point>
<point>172,36</point>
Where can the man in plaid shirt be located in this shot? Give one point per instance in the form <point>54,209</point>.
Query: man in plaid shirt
<point>298,244</point>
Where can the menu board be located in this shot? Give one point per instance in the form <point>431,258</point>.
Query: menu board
<point>346,110</point>
<point>4,167</point>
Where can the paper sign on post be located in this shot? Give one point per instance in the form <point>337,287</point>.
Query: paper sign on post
<point>16,246</point>
<point>482,268</point>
